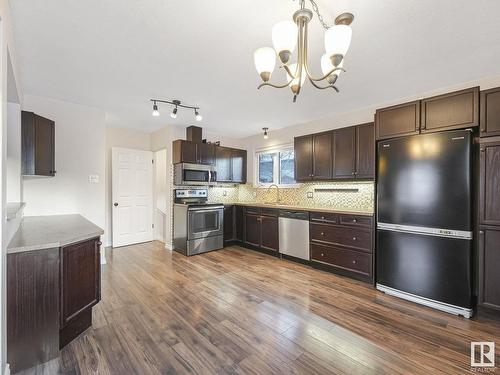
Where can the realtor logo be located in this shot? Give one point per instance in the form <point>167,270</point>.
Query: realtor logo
<point>482,354</point>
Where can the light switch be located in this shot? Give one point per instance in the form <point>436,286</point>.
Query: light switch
<point>93,178</point>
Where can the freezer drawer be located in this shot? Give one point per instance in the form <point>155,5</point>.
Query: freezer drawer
<point>432,267</point>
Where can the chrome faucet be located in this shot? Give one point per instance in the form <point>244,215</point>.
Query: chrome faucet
<point>278,198</point>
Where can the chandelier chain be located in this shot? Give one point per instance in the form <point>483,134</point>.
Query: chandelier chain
<point>320,17</point>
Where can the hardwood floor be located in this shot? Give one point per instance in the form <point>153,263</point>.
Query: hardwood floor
<point>242,312</point>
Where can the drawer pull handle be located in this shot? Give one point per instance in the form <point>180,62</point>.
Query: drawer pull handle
<point>354,238</point>
<point>322,233</point>
<point>322,218</point>
<point>322,254</point>
<point>354,221</point>
<point>353,262</point>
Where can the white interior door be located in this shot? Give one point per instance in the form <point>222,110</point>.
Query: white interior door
<point>132,196</point>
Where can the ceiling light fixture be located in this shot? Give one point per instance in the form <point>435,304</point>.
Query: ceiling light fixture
<point>156,113</point>
<point>265,133</point>
<point>177,104</point>
<point>287,35</point>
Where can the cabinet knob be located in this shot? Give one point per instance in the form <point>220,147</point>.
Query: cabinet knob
<point>115,204</point>
<point>353,173</point>
<point>354,262</point>
<point>354,238</point>
<point>322,218</point>
<point>322,233</point>
<point>482,149</point>
<point>98,243</point>
<point>354,220</point>
<point>481,232</point>
<point>322,254</point>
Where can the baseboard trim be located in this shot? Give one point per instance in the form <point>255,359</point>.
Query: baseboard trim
<point>169,246</point>
<point>6,370</point>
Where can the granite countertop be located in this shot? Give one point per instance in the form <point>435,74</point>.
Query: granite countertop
<point>301,208</point>
<point>48,232</point>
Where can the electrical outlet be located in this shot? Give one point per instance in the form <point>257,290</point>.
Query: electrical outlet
<point>255,194</point>
<point>224,193</point>
<point>310,195</point>
<point>94,178</point>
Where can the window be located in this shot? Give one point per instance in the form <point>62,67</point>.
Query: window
<point>276,167</point>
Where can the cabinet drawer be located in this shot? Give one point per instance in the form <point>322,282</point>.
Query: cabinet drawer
<point>356,220</point>
<point>269,212</point>
<point>252,210</point>
<point>342,258</point>
<point>357,238</point>
<point>326,217</point>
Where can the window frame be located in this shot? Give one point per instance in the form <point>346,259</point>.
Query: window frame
<point>276,166</point>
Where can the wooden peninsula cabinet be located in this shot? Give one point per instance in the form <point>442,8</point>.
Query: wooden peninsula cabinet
<point>53,281</point>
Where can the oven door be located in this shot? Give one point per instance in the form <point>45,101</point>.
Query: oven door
<point>205,222</point>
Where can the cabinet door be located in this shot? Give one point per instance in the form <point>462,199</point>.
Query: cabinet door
<point>344,153</point>
<point>397,121</point>
<point>489,185</point>
<point>223,162</point>
<point>239,223</point>
<point>80,278</point>
<point>189,152</point>
<point>322,156</point>
<point>489,264</point>
<point>270,234</point>
<point>365,151</point>
<point>303,148</point>
<point>206,153</point>
<point>252,230</point>
<point>44,146</point>
<point>455,110</point>
<point>490,112</point>
<point>239,166</point>
<point>228,223</point>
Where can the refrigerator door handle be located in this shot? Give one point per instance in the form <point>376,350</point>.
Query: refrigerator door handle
<point>437,232</point>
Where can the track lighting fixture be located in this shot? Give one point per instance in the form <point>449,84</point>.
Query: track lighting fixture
<point>265,133</point>
<point>177,104</point>
<point>156,113</point>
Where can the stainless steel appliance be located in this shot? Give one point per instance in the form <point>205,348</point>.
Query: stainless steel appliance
<point>198,225</point>
<point>194,174</point>
<point>294,233</point>
<point>424,220</point>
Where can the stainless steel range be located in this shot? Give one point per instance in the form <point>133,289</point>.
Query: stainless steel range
<point>198,225</point>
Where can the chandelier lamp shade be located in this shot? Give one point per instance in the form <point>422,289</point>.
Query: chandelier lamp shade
<point>290,35</point>
<point>177,104</point>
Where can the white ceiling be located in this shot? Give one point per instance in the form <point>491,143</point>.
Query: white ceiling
<point>117,54</point>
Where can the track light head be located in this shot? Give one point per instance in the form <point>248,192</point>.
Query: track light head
<point>174,113</point>
<point>155,113</point>
<point>197,115</point>
<point>265,133</point>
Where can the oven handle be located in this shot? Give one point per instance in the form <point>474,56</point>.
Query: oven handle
<point>207,209</point>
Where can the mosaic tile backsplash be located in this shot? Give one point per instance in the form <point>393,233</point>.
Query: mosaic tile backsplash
<point>348,196</point>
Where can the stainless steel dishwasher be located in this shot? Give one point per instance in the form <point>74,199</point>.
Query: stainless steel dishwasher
<point>294,233</point>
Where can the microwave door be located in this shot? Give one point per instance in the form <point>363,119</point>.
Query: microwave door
<point>191,175</point>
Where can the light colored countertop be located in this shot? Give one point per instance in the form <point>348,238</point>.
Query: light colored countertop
<point>301,208</point>
<point>48,232</point>
<point>13,209</point>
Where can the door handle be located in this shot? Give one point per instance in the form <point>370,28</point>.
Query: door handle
<point>115,204</point>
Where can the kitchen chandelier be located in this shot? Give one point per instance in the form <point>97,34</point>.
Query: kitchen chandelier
<point>177,104</point>
<point>287,35</point>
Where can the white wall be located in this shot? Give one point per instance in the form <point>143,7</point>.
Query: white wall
<point>126,138</point>
<point>80,144</point>
<point>14,188</point>
<point>160,194</point>
<point>363,115</point>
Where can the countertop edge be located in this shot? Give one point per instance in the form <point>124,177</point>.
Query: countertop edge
<point>301,208</point>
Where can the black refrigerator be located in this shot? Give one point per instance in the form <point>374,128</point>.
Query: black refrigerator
<point>424,223</point>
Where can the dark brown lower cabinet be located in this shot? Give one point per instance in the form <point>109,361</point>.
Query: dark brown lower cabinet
<point>261,228</point>
<point>50,294</point>
<point>32,308</point>
<point>489,266</point>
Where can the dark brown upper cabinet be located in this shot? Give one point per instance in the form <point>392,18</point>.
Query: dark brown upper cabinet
<point>239,166</point>
<point>397,121</point>
<point>303,149</point>
<point>365,151</point>
<point>490,112</point>
<point>313,157</point>
<point>344,153</point>
<point>489,183</point>
<point>193,152</point>
<point>322,156</point>
<point>455,110</point>
<point>38,145</point>
<point>231,165</point>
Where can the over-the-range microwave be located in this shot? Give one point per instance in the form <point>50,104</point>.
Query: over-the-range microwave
<point>194,174</point>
